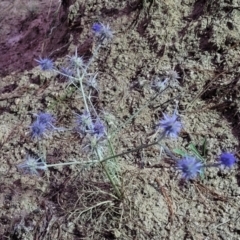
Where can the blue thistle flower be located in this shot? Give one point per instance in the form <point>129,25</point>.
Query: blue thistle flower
<point>84,122</point>
<point>46,119</point>
<point>66,72</point>
<point>189,166</point>
<point>227,159</point>
<point>76,61</point>
<point>160,84</point>
<point>45,63</point>
<point>102,32</point>
<point>38,129</point>
<point>96,27</point>
<point>32,165</point>
<point>98,129</point>
<point>173,76</point>
<point>170,125</point>
<point>43,123</point>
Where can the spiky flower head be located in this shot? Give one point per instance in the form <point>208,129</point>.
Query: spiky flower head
<point>76,62</point>
<point>84,122</point>
<point>170,125</point>
<point>102,32</point>
<point>45,63</point>
<point>99,129</point>
<point>96,27</point>
<point>38,130</point>
<point>227,159</point>
<point>43,122</point>
<point>160,83</point>
<point>66,72</point>
<point>190,167</point>
<point>32,165</point>
<point>173,75</point>
<point>45,118</point>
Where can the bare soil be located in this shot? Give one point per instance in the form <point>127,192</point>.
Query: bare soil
<point>197,38</point>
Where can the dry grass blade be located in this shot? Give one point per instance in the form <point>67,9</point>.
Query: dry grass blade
<point>200,93</point>
<point>168,199</point>
<point>209,192</point>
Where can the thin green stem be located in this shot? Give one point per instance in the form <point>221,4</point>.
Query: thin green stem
<point>67,163</point>
<point>119,195</point>
<point>95,51</point>
<point>80,78</point>
<point>113,156</point>
<point>135,149</point>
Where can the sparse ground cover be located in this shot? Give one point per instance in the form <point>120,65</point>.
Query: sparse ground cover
<point>197,39</point>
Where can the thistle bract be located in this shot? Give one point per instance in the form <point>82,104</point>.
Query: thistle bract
<point>190,167</point>
<point>38,129</point>
<point>45,63</point>
<point>102,32</point>
<point>45,118</point>
<point>98,129</point>
<point>43,123</point>
<point>32,165</point>
<point>84,122</point>
<point>170,125</point>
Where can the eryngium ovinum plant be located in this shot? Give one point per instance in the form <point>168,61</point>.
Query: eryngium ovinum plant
<point>90,124</point>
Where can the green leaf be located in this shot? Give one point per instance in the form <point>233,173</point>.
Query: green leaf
<point>193,149</point>
<point>180,152</point>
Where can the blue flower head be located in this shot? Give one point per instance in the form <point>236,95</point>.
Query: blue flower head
<point>32,165</point>
<point>38,129</point>
<point>170,125</point>
<point>46,119</point>
<point>45,63</point>
<point>227,159</point>
<point>96,27</point>
<point>43,123</point>
<point>66,72</point>
<point>99,129</point>
<point>189,166</point>
<point>102,32</point>
<point>76,61</point>
<point>84,122</point>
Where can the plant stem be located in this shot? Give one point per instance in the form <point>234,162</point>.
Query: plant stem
<point>80,78</point>
<point>119,195</point>
<point>111,157</point>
